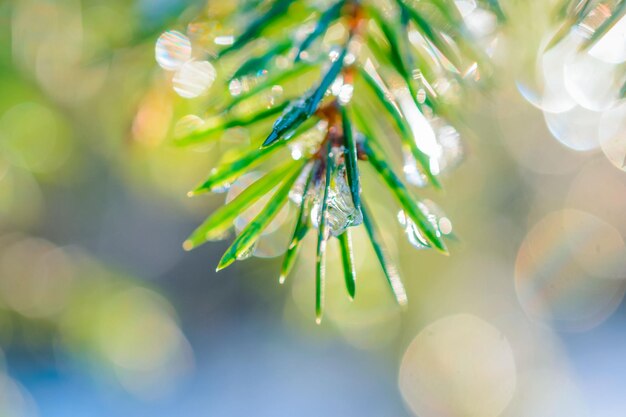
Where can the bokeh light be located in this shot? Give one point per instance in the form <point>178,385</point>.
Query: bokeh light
<point>571,270</point>
<point>458,366</point>
<point>172,50</point>
<point>138,334</point>
<point>549,393</point>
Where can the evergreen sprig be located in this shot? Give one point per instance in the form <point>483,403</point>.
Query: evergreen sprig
<point>382,61</point>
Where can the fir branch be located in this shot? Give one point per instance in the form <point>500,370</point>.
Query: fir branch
<point>374,68</point>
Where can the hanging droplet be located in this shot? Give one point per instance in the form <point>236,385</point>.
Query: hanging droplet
<point>436,217</point>
<point>194,78</point>
<point>172,50</point>
<point>340,210</point>
<point>248,253</point>
<point>414,235</point>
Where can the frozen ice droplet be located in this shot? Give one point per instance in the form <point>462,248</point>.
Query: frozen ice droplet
<point>340,210</point>
<point>172,50</point>
<point>194,78</point>
<point>436,217</point>
<point>413,233</point>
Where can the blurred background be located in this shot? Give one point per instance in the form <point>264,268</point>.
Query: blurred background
<point>102,313</point>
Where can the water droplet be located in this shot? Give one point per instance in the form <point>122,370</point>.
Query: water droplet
<point>414,235</point>
<point>349,59</point>
<point>345,93</point>
<point>421,96</point>
<point>340,210</point>
<point>220,189</point>
<point>246,254</point>
<point>194,78</point>
<point>235,87</point>
<point>172,50</point>
<point>224,40</point>
<point>434,137</point>
<point>336,86</point>
<point>445,225</point>
<point>436,217</point>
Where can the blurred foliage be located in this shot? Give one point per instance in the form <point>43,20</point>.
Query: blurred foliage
<point>71,85</point>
